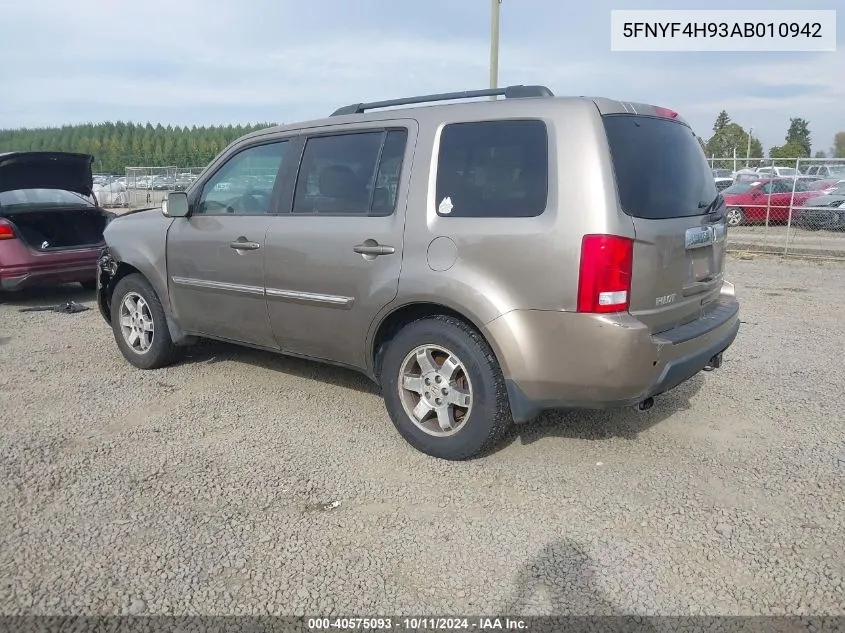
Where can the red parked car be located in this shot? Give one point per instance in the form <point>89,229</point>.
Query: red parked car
<point>750,202</point>
<point>51,227</point>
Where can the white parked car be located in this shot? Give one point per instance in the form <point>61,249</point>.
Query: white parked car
<point>746,175</point>
<point>723,183</point>
<point>826,171</point>
<point>112,194</point>
<point>780,172</point>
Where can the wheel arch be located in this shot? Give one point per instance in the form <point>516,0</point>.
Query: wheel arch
<point>122,270</point>
<point>398,317</point>
<point>110,275</point>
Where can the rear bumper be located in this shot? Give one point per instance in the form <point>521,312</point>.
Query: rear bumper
<point>556,360</point>
<point>14,279</point>
<point>21,266</point>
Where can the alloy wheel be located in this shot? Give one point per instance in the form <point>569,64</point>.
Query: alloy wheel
<point>435,390</point>
<point>136,323</point>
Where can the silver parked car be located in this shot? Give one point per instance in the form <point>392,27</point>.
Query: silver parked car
<point>481,261</point>
<point>824,212</point>
<point>826,171</point>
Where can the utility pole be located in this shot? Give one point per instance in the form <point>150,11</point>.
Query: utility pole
<point>748,151</point>
<point>494,44</point>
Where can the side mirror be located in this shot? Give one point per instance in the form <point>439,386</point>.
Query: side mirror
<point>175,205</point>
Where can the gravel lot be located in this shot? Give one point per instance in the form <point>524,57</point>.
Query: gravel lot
<point>203,488</point>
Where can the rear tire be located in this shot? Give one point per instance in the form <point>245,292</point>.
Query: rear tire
<point>458,368</point>
<point>735,216</point>
<point>140,325</point>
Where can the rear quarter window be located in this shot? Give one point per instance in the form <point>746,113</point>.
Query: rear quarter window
<point>661,171</point>
<point>493,169</point>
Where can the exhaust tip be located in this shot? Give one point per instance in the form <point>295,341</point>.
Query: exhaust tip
<point>714,363</point>
<point>646,404</point>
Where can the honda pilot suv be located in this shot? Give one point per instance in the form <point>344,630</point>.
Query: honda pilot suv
<point>482,261</point>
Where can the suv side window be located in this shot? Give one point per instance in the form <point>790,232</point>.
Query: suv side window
<point>350,174</point>
<point>244,184</point>
<point>389,172</point>
<point>493,169</point>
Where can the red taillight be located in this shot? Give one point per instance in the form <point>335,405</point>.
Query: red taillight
<point>669,114</point>
<point>604,279</point>
<point>6,231</point>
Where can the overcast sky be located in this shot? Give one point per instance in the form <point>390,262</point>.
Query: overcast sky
<point>227,61</point>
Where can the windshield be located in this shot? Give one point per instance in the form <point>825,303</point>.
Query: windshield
<point>661,171</point>
<point>738,187</point>
<point>42,198</point>
<point>787,171</point>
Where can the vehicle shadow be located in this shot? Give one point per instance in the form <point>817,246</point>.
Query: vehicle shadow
<point>210,351</point>
<point>623,422</point>
<point>573,424</point>
<point>562,581</point>
<point>48,296</point>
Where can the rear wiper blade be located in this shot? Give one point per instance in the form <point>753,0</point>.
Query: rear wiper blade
<point>710,205</point>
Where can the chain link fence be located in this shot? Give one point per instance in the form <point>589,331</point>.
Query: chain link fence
<point>779,206</point>
<point>784,206</point>
<point>148,186</point>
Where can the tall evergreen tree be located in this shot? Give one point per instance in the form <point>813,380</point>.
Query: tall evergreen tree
<point>721,121</point>
<point>117,145</point>
<point>799,134</point>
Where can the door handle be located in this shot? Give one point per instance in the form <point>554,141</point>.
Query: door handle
<point>242,244</point>
<point>373,248</point>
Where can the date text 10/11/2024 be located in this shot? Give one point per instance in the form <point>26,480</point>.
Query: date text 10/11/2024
<point>417,624</point>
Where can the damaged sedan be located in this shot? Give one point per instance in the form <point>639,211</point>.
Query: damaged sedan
<point>51,225</point>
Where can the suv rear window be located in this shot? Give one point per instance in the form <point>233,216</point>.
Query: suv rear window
<point>496,169</point>
<point>661,171</point>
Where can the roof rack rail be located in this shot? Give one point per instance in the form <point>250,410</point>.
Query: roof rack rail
<point>510,92</point>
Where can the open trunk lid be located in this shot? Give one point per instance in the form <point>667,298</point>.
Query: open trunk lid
<point>666,186</point>
<point>59,229</point>
<point>47,170</point>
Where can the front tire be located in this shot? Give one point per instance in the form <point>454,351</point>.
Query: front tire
<point>444,390</point>
<point>735,216</point>
<point>140,325</point>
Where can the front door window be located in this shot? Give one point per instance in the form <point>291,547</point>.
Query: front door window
<point>244,185</point>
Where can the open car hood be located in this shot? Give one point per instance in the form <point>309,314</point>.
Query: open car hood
<point>47,170</point>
